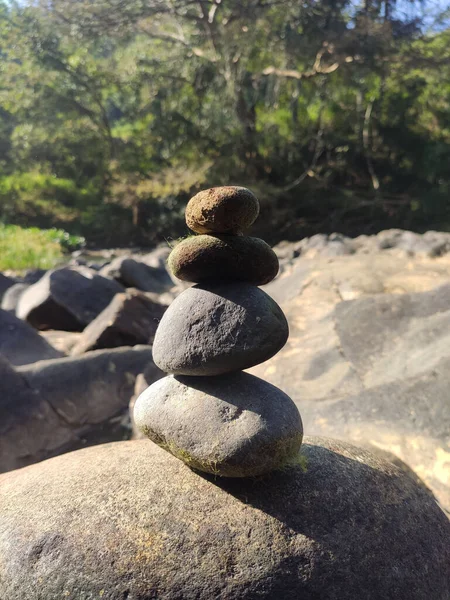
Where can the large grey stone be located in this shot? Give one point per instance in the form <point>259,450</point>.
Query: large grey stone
<point>234,425</point>
<point>131,318</point>
<point>20,344</point>
<point>374,370</point>
<point>12,296</point>
<point>67,299</point>
<point>128,520</point>
<point>132,272</point>
<point>212,329</point>
<point>5,284</point>
<point>58,405</point>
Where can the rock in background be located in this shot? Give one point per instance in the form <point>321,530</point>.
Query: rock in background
<point>20,344</point>
<point>54,406</point>
<point>67,299</point>
<point>131,318</point>
<point>368,352</point>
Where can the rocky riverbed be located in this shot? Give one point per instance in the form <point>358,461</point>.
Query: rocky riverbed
<point>367,359</point>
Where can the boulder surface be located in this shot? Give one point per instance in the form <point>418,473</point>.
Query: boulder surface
<point>67,299</point>
<point>128,520</point>
<point>133,272</point>
<point>130,319</point>
<point>20,344</point>
<point>54,406</point>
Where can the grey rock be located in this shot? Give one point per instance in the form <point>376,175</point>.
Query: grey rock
<point>54,406</point>
<point>63,341</point>
<point>157,258</point>
<point>234,425</point>
<point>212,329</point>
<point>12,296</point>
<point>131,318</point>
<point>20,344</point>
<point>143,381</point>
<point>134,273</point>
<point>5,284</point>
<point>374,370</point>
<point>34,275</point>
<point>128,520</point>
<point>67,299</point>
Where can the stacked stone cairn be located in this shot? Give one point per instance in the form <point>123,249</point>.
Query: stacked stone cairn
<point>207,411</point>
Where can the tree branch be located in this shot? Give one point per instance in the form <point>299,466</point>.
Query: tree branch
<point>317,68</point>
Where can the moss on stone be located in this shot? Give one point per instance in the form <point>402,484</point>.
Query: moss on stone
<point>228,258</point>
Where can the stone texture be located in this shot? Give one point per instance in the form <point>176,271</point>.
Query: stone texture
<point>20,344</point>
<point>235,425</point>
<point>143,381</point>
<point>12,296</point>
<point>128,520</point>
<point>131,318</point>
<point>212,329</point>
<point>58,405</point>
<point>235,258</point>
<point>228,209</point>
<point>374,370</point>
<point>131,272</point>
<point>5,284</point>
<point>395,242</point>
<point>67,299</point>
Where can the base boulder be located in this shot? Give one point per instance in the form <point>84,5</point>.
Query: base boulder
<point>128,520</point>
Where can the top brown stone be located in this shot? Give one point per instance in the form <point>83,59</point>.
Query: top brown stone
<point>227,209</point>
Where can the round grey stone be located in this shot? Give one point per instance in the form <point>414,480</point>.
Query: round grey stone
<point>128,520</point>
<point>234,425</point>
<point>211,329</point>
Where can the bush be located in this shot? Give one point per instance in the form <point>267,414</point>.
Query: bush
<point>30,248</point>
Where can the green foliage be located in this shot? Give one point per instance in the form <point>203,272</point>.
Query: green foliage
<point>112,113</point>
<point>26,248</point>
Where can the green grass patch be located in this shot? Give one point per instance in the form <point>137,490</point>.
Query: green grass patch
<point>33,248</point>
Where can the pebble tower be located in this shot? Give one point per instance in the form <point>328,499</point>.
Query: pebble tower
<point>208,412</point>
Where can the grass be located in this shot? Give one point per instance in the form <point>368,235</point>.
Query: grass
<point>33,248</point>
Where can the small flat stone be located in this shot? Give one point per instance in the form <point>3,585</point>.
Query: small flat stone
<point>228,209</point>
<point>216,328</point>
<point>234,258</point>
<point>234,425</point>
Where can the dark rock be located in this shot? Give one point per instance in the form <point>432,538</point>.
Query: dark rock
<point>5,284</point>
<point>59,405</point>
<point>227,209</point>
<point>133,273</point>
<point>235,258</point>
<point>212,329</point>
<point>128,520</point>
<point>12,296</point>
<point>20,344</point>
<point>235,425</point>
<point>67,299</point>
<point>131,318</point>
<point>33,276</point>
